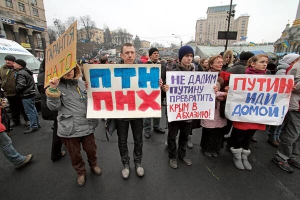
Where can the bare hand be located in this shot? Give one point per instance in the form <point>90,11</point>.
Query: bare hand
<point>165,88</point>
<point>86,85</point>
<point>160,82</point>
<point>54,82</point>
<point>216,89</point>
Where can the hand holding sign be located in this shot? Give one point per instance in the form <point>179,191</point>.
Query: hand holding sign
<point>54,82</point>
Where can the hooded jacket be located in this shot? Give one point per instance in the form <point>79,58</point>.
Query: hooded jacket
<point>281,68</point>
<point>25,86</point>
<point>70,100</point>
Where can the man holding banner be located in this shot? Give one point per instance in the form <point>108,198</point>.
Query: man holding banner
<point>128,56</point>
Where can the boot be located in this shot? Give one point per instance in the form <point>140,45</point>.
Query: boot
<point>245,154</point>
<point>237,157</point>
<point>190,145</point>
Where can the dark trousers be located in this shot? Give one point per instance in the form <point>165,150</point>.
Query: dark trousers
<point>185,129</point>
<point>56,144</point>
<point>16,106</point>
<point>241,138</point>
<point>212,139</point>
<point>137,130</point>
<point>88,145</point>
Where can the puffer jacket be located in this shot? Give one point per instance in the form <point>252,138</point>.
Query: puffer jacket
<point>8,83</point>
<point>25,86</point>
<point>70,100</point>
<point>295,96</point>
<point>281,68</point>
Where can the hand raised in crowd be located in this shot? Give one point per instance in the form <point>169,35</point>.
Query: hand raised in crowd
<point>54,82</point>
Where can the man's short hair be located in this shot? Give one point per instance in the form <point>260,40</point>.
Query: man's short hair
<point>127,44</point>
<point>103,60</point>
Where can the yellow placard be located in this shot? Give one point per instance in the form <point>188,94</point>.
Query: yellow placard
<point>61,54</point>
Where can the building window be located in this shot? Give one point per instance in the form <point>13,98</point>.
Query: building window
<point>35,12</point>
<point>9,3</point>
<point>33,2</point>
<point>21,7</point>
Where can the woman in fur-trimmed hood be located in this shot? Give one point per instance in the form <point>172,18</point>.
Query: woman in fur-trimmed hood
<point>69,97</point>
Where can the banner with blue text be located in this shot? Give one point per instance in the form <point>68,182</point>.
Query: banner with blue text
<point>123,91</point>
<point>191,95</point>
<point>262,99</point>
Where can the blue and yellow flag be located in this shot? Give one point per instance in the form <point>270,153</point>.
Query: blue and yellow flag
<point>286,44</point>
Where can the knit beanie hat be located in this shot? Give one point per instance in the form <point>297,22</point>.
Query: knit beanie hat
<point>185,50</point>
<point>288,59</point>
<point>21,62</point>
<point>152,50</point>
<point>10,58</point>
<point>245,55</point>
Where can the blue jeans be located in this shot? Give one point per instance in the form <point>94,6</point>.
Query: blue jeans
<point>275,131</point>
<point>9,151</point>
<point>31,112</point>
<point>147,124</point>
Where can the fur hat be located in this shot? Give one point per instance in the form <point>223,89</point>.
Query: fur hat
<point>10,58</point>
<point>21,62</point>
<point>152,50</point>
<point>183,51</point>
<point>290,58</point>
<point>245,55</point>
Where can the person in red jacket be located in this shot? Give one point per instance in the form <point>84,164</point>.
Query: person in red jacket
<point>8,149</point>
<point>243,131</point>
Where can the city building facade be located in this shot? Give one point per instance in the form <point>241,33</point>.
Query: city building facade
<point>145,44</point>
<point>290,37</point>
<point>119,38</point>
<point>96,35</point>
<point>206,32</point>
<point>24,21</point>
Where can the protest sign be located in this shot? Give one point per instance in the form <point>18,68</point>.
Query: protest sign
<point>123,90</point>
<point>61,54</point>
<point>191,95</point>
<point>262,99</point>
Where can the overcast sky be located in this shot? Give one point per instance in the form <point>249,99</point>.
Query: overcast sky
<point>157,20</point>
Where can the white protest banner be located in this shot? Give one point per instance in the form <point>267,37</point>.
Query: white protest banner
<point>123,90</point>
<point>191,95</point>
<point>262,99</point>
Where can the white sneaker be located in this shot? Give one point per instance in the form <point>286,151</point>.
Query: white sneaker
<point>126,172</point>
<point>139,170</point>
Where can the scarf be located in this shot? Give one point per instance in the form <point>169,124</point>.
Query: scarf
<point>250,70</point>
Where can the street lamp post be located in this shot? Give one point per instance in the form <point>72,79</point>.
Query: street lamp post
<point>177,36</point>
<point>230,14</point>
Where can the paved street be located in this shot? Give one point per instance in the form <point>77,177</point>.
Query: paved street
<point>207,178</point>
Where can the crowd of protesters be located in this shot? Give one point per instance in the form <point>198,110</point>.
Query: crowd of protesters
<point>65,103</point>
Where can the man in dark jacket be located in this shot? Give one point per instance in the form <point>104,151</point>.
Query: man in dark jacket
<point>153,59</point>
<point>25,88</point>
<point>128,57</point>
<point>47,114</point>
<point>186,54</point>
<point>240,67</point>
<point>7,79</point>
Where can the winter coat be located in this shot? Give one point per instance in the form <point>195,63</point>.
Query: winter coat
<point>295,96</point>
<point>238,68</point>
<point>25,86</point>
<point>281,68</point>
<point>47,114</point>
<point>162,74</point>
<point>2,127</point>
<point>70,100</point>
<point>8,80</point>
